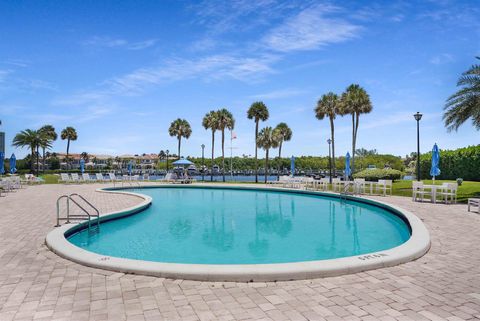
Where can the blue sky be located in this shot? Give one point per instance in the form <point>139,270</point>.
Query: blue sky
<point>121,71</point>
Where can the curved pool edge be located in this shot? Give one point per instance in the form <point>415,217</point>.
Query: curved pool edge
<point>415,247</point>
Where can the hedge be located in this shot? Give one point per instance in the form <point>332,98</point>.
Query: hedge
<point>460,163</point>
<point>376,174</point>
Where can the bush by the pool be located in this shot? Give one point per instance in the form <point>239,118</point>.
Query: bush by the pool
<point>376,174</point>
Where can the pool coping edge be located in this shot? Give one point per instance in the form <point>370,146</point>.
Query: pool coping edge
<point>415,247</point>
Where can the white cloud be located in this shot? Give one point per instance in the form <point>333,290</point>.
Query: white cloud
<point>281,93</point>
<point>441,59</point>
<point>109,42</point>
<point>310,29</point>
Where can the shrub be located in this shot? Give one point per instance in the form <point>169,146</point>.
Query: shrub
<point>376,174</point>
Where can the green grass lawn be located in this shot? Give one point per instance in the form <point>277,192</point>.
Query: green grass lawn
<point>50,178</point>
<point>466,190</point>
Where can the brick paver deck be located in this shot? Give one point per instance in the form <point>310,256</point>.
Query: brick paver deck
<point>36,284</point>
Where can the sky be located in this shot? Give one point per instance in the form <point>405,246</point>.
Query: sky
<point>121,71</point>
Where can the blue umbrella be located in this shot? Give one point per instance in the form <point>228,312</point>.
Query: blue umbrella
<point>13,164</point>
<point>348,170</point>
<point>129,168</point>
<point>82,165</point>
<point>182,161</point>
<point>292,165</point>
<point>435,170</point>
<point>2,163</point>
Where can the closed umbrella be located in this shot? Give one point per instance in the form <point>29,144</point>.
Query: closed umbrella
<point>13,164</point>
<point>292,165</point>
<point>348,170</point>
<point>435,170</point>
<point>2,163</point>
<point>129,168</point>
<point>82,165</point>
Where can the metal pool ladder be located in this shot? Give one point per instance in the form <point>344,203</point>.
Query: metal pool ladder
<point>345,192</point>
<point>76,199</point>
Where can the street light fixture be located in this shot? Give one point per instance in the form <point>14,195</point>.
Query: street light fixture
<point>203,162</point>
<point>329,141</point>
<point>417,117</point>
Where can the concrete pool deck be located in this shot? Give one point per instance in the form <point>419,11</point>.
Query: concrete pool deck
<point>37,284</point>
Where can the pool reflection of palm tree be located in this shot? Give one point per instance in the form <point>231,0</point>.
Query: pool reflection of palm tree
<point>218,235</point>
<point>258,247</point>
<point>180,228</point>
<point>273,222</point>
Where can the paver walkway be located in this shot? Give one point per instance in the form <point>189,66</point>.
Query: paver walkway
<point>37,284</point>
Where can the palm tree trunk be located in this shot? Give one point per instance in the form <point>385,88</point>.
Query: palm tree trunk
<point>32,162</point>
<point>266,166</point>
<point>179,145</point>
<point>223,154</point>
<point>332,133</point>
<point>256,147</point>
<point>279,160</point>
<point>38,160</point>
<point>355,141</point>
<point>43,160</point>
<point>68,148</point>
<point>213,154</point>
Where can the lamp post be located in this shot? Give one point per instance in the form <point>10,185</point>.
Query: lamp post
<point>203,162</point>
<point>166,152</point>
<point>417,117</point>
<point>329,141</point>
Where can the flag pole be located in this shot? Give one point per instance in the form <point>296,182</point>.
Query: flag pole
<point>231,154</point>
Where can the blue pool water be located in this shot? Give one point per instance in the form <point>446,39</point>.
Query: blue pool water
<point>232,226</point>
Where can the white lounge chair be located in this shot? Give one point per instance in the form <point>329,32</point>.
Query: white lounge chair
<point>75,178</point>
<point>86,178</point>
<point>64,178</point>
<point>114,178</point>
<point>100,177</point>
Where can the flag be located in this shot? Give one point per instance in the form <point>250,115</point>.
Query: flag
<point>234,135</point>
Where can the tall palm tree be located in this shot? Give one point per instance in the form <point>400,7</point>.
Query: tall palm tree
<point>267,139</point>
<point>329,106</point>
<point>258,111</point>
<point>49,135</point>
<point>210,122</point>
<point>70,134</point>
<point>355,101</point>
<point>31,139</point>
<point>225,120</point>
<point>465,103</point>
<point>180,128</point>
<point>284,134</point>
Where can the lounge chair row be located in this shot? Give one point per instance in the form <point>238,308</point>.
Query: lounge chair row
<point>99,177</point>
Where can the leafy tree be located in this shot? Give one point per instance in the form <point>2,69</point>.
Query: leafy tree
<point>180,128</point>
<point>362,152</point>
<point>85,156</point>
<point>329,106</point>
<point>267,139</point>
<point>258,111</point>
<point>31,139</point>
<point>355,101</point>
<point>225,120</point>
<point>49,136</point>
<point>465,103</point>
<point>210,121</point>
<point>70,134</point>
<point>284,134</point>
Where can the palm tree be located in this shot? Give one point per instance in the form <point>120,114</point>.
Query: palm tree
<point>284,134</point>
<point>267,139</point>
<point>258,112</point>
<point>70,134</point>
<point>465,103</point>
<point>329,106</point>
<point>85,156</point>
<point>355,101</point>
<point>224,120</point>
<point>31,139</point>
<point>210,122</point>
<point>180,128</point>
<point>49,135</point>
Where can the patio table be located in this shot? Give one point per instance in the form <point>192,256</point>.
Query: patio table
<point>433,189</point>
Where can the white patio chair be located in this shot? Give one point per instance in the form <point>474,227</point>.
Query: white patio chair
<point>449,190</point>
<point>474,202</point>
<point>419,191</point>
<point>360,186</point>
<point>337,184</point>
<point>383,186</point>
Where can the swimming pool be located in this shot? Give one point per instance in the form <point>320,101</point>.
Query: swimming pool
<point>212,231</point>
